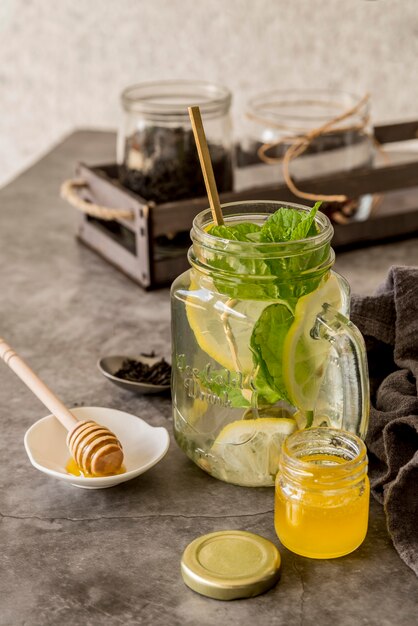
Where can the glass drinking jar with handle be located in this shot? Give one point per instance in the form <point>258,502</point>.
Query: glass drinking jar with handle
<point>262,343</point>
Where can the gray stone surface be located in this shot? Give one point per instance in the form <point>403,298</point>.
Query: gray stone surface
<point>75,557</point>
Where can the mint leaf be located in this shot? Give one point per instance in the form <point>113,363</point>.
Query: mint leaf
<point>267,343</point>
<point>246,288</point>
<point>224,232</point>
<point>280,225</point>
<point>238,232</point>
<point>307,227</point>
<point>309,418</point>
<point>266,395</point>
<point>289,225</point>
<point>255,236</point>
<point>284,225</point>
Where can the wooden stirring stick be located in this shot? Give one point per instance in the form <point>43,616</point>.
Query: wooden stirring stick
<point>95,448</point>
<point>206,164</point>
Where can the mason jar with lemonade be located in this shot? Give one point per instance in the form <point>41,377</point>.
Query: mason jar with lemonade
<point>262,343</point>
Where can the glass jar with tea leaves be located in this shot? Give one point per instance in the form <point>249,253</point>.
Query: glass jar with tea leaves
<point>323,131</point>
<point>157,155</point>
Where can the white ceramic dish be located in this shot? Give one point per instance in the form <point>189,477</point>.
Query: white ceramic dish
<point>143,445</point>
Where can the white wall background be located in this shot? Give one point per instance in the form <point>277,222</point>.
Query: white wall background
<point>63,63</point>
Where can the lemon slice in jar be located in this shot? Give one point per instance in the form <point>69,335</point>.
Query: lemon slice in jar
<point>247,451</point>
<point>305,358</point>
<point>222,327</point>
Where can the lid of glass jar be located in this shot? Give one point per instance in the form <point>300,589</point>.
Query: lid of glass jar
<point>230,564</point>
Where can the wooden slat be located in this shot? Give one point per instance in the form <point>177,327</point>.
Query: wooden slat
<point>396,216</point>
<point>403,131</point>
<point>179,215</point>
<point>103,190</point>
<point>112,251</point>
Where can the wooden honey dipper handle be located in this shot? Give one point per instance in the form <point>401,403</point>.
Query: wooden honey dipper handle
<point>95,448</point>
<point>36,385</point>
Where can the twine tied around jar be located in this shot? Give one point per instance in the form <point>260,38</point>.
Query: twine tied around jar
<point>299,144</point>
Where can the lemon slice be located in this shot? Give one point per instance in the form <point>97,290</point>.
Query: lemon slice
<point>247,451</point>
<point>304,358</point>
<point>223,327</point>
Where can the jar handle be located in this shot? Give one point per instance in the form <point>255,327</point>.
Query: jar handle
<point>69,192</point>
<point>349,345</point>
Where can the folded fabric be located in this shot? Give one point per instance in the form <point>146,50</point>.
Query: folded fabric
<point>389,323</point>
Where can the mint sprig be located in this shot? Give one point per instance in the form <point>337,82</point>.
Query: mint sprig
<point>270,330</point>
<point>289,225</point>
<point>284,225</point>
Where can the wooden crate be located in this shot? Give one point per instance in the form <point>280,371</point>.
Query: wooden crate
<point>134,245</point>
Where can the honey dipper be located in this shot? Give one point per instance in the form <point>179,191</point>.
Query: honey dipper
<point>95,448</point>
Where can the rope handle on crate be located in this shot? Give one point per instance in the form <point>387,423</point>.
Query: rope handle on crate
<point>69,193</point>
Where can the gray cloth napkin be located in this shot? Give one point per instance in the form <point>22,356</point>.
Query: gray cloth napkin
<point>389,323</point>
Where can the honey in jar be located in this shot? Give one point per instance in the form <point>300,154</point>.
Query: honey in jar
<point>322,493</point>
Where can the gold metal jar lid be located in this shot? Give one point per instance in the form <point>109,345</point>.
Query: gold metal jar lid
<point>230,564</point>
